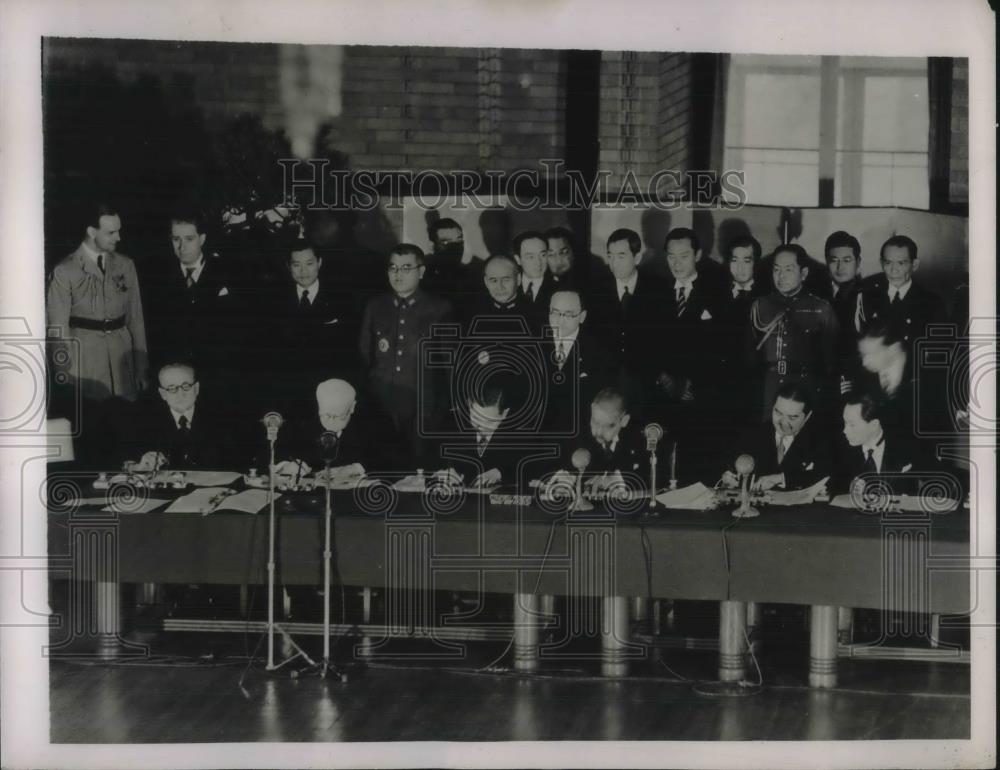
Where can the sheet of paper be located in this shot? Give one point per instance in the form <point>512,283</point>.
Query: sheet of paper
<point>247,501</point>
<point>211,478</point>
<point>694,497</point>
<point>81,502</point>
<point>796,496</point>
<point>144,506</point>
<point>410,484</point>
<point>203,500</point>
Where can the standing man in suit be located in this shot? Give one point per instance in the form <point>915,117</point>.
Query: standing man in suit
<point>316,332</point>
<point>192,315</point>
<point>843,259</point>
<point>741,377</point>
<point>895,297</point>
<point>393,326</point>
<point>690,363</point>
<point>561,255</point>
<point>93,298</point>
<point>530,252</point>
<point>449,271</point>
<point>792,332</point>
<point>628,311</point>
<point>575,362</point>
<point>792,451</point>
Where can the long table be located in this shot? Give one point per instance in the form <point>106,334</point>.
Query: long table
<point>405,544</point>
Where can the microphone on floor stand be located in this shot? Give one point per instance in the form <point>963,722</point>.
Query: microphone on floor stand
<point>580,459</point>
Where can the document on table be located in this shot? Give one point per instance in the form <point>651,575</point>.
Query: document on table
<point>203,500</point>
<point>248,501</point>
<point>139,506</point>
<point>797,496</point>
<point>696,497</point>
<point>210,478</point>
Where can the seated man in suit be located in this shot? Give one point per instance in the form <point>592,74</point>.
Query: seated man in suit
<point>791,452</point>
<point>355,441</point>
<point>178,432</point>
<point>477,453</point>
<point>869,449</point>
<point>575,361</point>
<point>617,447</point>
<point>530,249</point>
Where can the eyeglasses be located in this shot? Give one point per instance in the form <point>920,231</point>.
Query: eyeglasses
<point>185,386</point>
<point>404,269</point>
<point>567,316</point>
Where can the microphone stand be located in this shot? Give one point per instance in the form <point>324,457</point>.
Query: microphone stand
<point>327,666</point>
<point>652,483</point>
<point>272,435</point>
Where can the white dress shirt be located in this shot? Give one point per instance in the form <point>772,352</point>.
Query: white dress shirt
<point>901,291</point>
<point>310,291</point>
<point>534,283</point>
<point>878,445</point>
<point>177,417</point>
<point>196,274</point>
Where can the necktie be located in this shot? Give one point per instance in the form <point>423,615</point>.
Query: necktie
<point>626,296</point>
<point>781,450</point>
<point>606,447</point>
<point>681,300</point>
<point>304,300</point>
<point>189,277</point>
<point>870,466</point>
<point>895,299</point>
<point>560,353</point>
<point>100,263</point>
<point>480,444</point>
<point>530,293</point>
<point>182,423</point>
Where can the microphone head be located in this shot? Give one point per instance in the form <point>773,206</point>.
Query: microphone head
<point>328,445</point>
<point>273,420</point>
<point>653,431</point>
<point>581,459</point>
<point>744,465</point>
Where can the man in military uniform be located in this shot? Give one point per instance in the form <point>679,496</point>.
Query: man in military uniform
<point>93,298</point>
<point>895,297</point>
<point>792,332</point>
<point>392,328</point>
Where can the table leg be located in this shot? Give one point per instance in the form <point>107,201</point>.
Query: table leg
<point>365,648</point>
<point>108,601</point>
<point>845,625</point>
<point>614,635</point>
<point>823,646</point>
<point>755,614</point>
<point>732,641</point>
<point>935,630</point>
<point>525,632</point>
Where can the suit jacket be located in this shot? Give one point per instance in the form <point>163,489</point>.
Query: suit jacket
<point>459,451</point>
<point>569,387</point>
<point>693,344</point>
<point>538,308</point>
<point>629,457</point>
<point>847,361</point>
<point>313,344</point>
<point>806,461</point>
<point>103,364</point>
<point>198,324</point>
<point>629,332</point>
<point>211,442</point>
<point>911,316</point>
<point>899,453</point>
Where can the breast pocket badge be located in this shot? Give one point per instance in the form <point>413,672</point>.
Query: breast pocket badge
<point>383,345</point>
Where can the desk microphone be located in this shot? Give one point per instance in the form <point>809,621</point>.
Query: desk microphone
<point>744,467</point>
<point>329,446</point>
<point>653,433</point>
<point>272,421</point>
<point>580,459</point>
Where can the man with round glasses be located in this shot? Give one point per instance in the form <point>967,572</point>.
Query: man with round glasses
<point>179,431</point>
<point>392,328</point>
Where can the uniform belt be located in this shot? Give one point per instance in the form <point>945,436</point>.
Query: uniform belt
<point>784,367</point>
<point>97,324</point>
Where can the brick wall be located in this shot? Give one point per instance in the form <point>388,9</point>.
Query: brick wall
<point>958,191</point>
<point>645,99</point>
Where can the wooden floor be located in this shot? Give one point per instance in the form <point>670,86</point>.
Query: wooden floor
<point>190,697</point>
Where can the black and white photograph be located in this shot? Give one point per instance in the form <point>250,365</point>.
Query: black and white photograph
<point>462,385</point>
